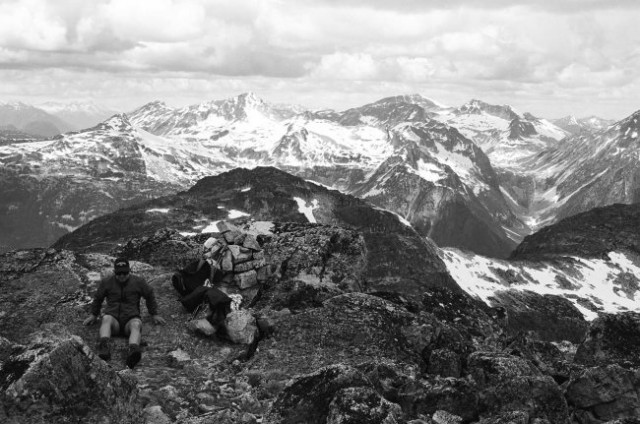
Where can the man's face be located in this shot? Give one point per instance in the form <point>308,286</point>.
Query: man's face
<point>122,276</point>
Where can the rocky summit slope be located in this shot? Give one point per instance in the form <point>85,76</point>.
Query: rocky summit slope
<point>342,340</point>
<point>265,193</point>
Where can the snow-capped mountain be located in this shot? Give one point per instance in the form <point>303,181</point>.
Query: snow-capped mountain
<point>585,171</point>
<point>80,115</point>
<point>589,124</point>
<point>31,120</point>
<point>503,133</point>
<point>422,160</point>
<point>440,181</point>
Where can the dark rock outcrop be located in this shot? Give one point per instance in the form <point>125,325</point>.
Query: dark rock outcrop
<point>589,234</point>
<point>612,339</point>
<point>554,318</point>
<point>56,378</point>
<point>335,394</point>
<point>605,393</point>
<point>508,383</point>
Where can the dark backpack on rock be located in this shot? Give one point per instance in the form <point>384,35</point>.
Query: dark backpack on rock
<point>191,277</point>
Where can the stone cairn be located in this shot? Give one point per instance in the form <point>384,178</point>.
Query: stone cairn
<point>240,258</point>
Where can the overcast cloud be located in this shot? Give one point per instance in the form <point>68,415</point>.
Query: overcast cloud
<point>551,58</point>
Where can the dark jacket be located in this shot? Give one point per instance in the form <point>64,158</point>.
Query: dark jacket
<point>123,300</point>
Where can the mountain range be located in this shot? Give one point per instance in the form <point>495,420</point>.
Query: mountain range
<point>50,119</point>
<point>477,177</point>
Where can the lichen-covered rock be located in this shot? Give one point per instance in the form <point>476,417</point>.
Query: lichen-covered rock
<point>427,395</point>
<point>165,247</point>
<point>445,363</point>
<point>612,339</point>
<point>509,383</point>
<point>472,317</point>
<point>308,398</point>
<point>552,317</point>
<point>444,417</point>
<point>241,326</point>
<point>355,405</point>
<point>57,378</point>
<point>606,392</point>
<point>513,417</point>
<point>349,328</point>
<point>545,356</point>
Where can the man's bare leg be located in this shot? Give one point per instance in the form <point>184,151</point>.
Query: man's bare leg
<point>134,329</point>
<point>108,327</point>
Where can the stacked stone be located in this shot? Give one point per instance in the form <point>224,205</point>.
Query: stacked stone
<point>239,256</point>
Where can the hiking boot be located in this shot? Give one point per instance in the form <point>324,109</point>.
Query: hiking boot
<point>104,352</point>
<point>134,356</point>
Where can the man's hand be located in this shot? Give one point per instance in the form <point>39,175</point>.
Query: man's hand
<point>158,320</point>
<point>90,320</point>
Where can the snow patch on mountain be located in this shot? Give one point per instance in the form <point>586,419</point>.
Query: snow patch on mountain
<point>592,285</point>
<point>306,209</point>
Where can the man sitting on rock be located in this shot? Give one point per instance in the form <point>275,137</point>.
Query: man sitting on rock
<point>123,292</point>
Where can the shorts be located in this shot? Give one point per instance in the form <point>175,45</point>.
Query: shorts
<point>122,324</point>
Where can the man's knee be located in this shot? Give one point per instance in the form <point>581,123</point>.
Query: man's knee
<point>134,325</point>
<point>112,322</point>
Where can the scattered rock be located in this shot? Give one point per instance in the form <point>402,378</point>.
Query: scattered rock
<point>241,326</point>
<point>178,358</point>
<point>443,417</point>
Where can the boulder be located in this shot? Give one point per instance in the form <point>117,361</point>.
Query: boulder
<point>612,339</point>
<point>545,356</point>
<point>241,326</point>
<point>509,383</point>
<point>57,378</point>
<point>333,394</point>
<point>606,393</point>
<point>427,395</point>
<point>513,417</point>
<point>444,417</point>
<point>445,363</point>
<point>552,317</point>
<point>355,405</point>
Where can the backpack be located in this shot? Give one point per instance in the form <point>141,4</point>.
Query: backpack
<point>186,280</point>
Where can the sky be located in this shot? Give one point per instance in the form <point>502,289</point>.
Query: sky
<point>551,58</point>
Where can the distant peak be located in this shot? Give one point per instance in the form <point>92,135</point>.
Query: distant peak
<point>119,120</point>
<point>415,98</point>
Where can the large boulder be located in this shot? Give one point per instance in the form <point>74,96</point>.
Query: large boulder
<point>349,328</point>
<point>56,378</point>
<point>552,317</point>
<point>545,356</point>
<point>508,383</point>
<point>334,394</point>
<point>605,393</point>
<point>612,339</point>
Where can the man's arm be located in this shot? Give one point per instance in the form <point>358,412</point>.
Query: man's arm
<point>96,304</point>
<point>150,300</point>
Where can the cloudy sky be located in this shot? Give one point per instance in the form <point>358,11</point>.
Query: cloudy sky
<point>548,57</point>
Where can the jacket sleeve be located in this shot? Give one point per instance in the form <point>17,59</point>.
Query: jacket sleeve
<point>149,298</point>
<point>98,298</point>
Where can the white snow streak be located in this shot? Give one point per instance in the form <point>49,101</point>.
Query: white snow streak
<point>307,210</point>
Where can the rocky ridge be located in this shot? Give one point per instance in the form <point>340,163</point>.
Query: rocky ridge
<point>334,348</point>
